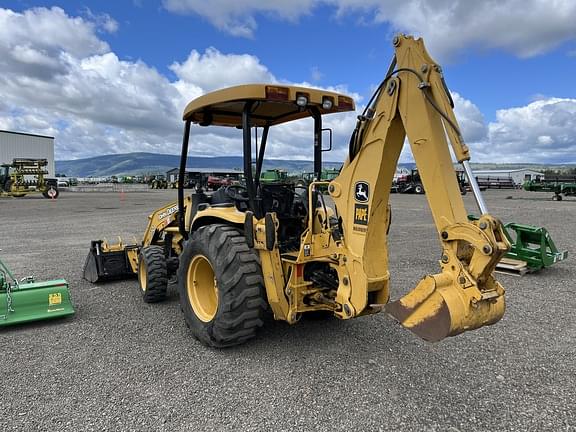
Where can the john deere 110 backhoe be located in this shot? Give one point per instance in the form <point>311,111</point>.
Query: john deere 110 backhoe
<point>246,249</point>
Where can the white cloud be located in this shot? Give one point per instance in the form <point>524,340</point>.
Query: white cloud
<point>470,119</point>
<point>237,17</point>
<point>213,70</point>
<point>58,78</point>
<point>316,74</point>
<point>95,103</point>
<point>545,140</point>
<point>523,27</point>
<point>70,85</point>
<point>102,21</point>
<point>50,31</point>
<point>542,131</point>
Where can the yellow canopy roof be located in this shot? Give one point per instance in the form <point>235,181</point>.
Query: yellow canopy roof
<point>274,104</point>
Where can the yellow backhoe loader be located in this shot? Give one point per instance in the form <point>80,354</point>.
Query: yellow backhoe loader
<point>246,249</point>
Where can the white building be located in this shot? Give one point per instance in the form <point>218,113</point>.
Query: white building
<point>518,176</point>
<point>24,145</point>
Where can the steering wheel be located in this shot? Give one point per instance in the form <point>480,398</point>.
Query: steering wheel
<point>236,192</point>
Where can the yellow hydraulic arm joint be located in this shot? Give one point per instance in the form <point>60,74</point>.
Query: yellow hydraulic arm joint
<point>414,102</point>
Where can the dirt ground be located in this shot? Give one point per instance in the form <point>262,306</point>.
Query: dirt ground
<point>121,364</point>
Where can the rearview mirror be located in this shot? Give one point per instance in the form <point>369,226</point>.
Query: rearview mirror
<point>330,139</point>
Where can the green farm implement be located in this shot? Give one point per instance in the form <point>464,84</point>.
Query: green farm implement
<point>532,245</point>
<point>532,249</point>
<point>558,186</point>
<point>27,176</point>
<point>26,300</point>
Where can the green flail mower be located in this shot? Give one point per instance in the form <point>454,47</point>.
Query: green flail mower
<point>26,300</point>
<point>532,249</point>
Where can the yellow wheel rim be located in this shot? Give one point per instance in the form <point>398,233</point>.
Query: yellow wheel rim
<point>142,273</point>
<point>202,288</point>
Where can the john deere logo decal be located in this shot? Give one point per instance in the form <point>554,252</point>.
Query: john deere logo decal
<point>361,191</point>
<point>54,299</point>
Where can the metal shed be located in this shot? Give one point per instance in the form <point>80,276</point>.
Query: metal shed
<point>518,176</point>
<point>25,145</point>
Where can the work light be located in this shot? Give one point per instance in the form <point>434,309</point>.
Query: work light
<point>327,103</point>
<point>301,100</point>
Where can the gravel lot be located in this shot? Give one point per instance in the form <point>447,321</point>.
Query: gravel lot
<point>121,364</point>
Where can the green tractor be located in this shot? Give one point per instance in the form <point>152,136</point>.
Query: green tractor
<point>273,176</point>
<point>327,174</point>
<point>158,182</point>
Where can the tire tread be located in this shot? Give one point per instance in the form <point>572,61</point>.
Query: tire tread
<point>242,299</point>
<point>157,274</point>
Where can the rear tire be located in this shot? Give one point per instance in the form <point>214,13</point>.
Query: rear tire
<point>221,288</point>
<point>152,274</point>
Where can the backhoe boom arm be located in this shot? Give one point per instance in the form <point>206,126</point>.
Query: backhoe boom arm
<point>413,102</point>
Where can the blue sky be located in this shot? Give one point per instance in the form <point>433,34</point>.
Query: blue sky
<point>113,77</point>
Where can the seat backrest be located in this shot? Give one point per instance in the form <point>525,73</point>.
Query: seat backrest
<point>278,198</point>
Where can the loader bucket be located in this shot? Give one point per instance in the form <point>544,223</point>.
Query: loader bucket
<point>34,301</point>
<point>103,264</point>
<point>438,308</point>
<point>532,245</point>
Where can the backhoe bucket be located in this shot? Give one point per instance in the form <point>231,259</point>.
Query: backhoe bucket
<point>105,263</point>
<point>438,307</point>
<point>34,301</point>
<point>532,245</point>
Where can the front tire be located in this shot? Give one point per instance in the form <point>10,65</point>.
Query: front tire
<point>419,189</point>
<point>221,287</point>
<point>152,274</point>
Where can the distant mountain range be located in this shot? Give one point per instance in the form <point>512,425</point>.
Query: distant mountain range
<point>155,163</point>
